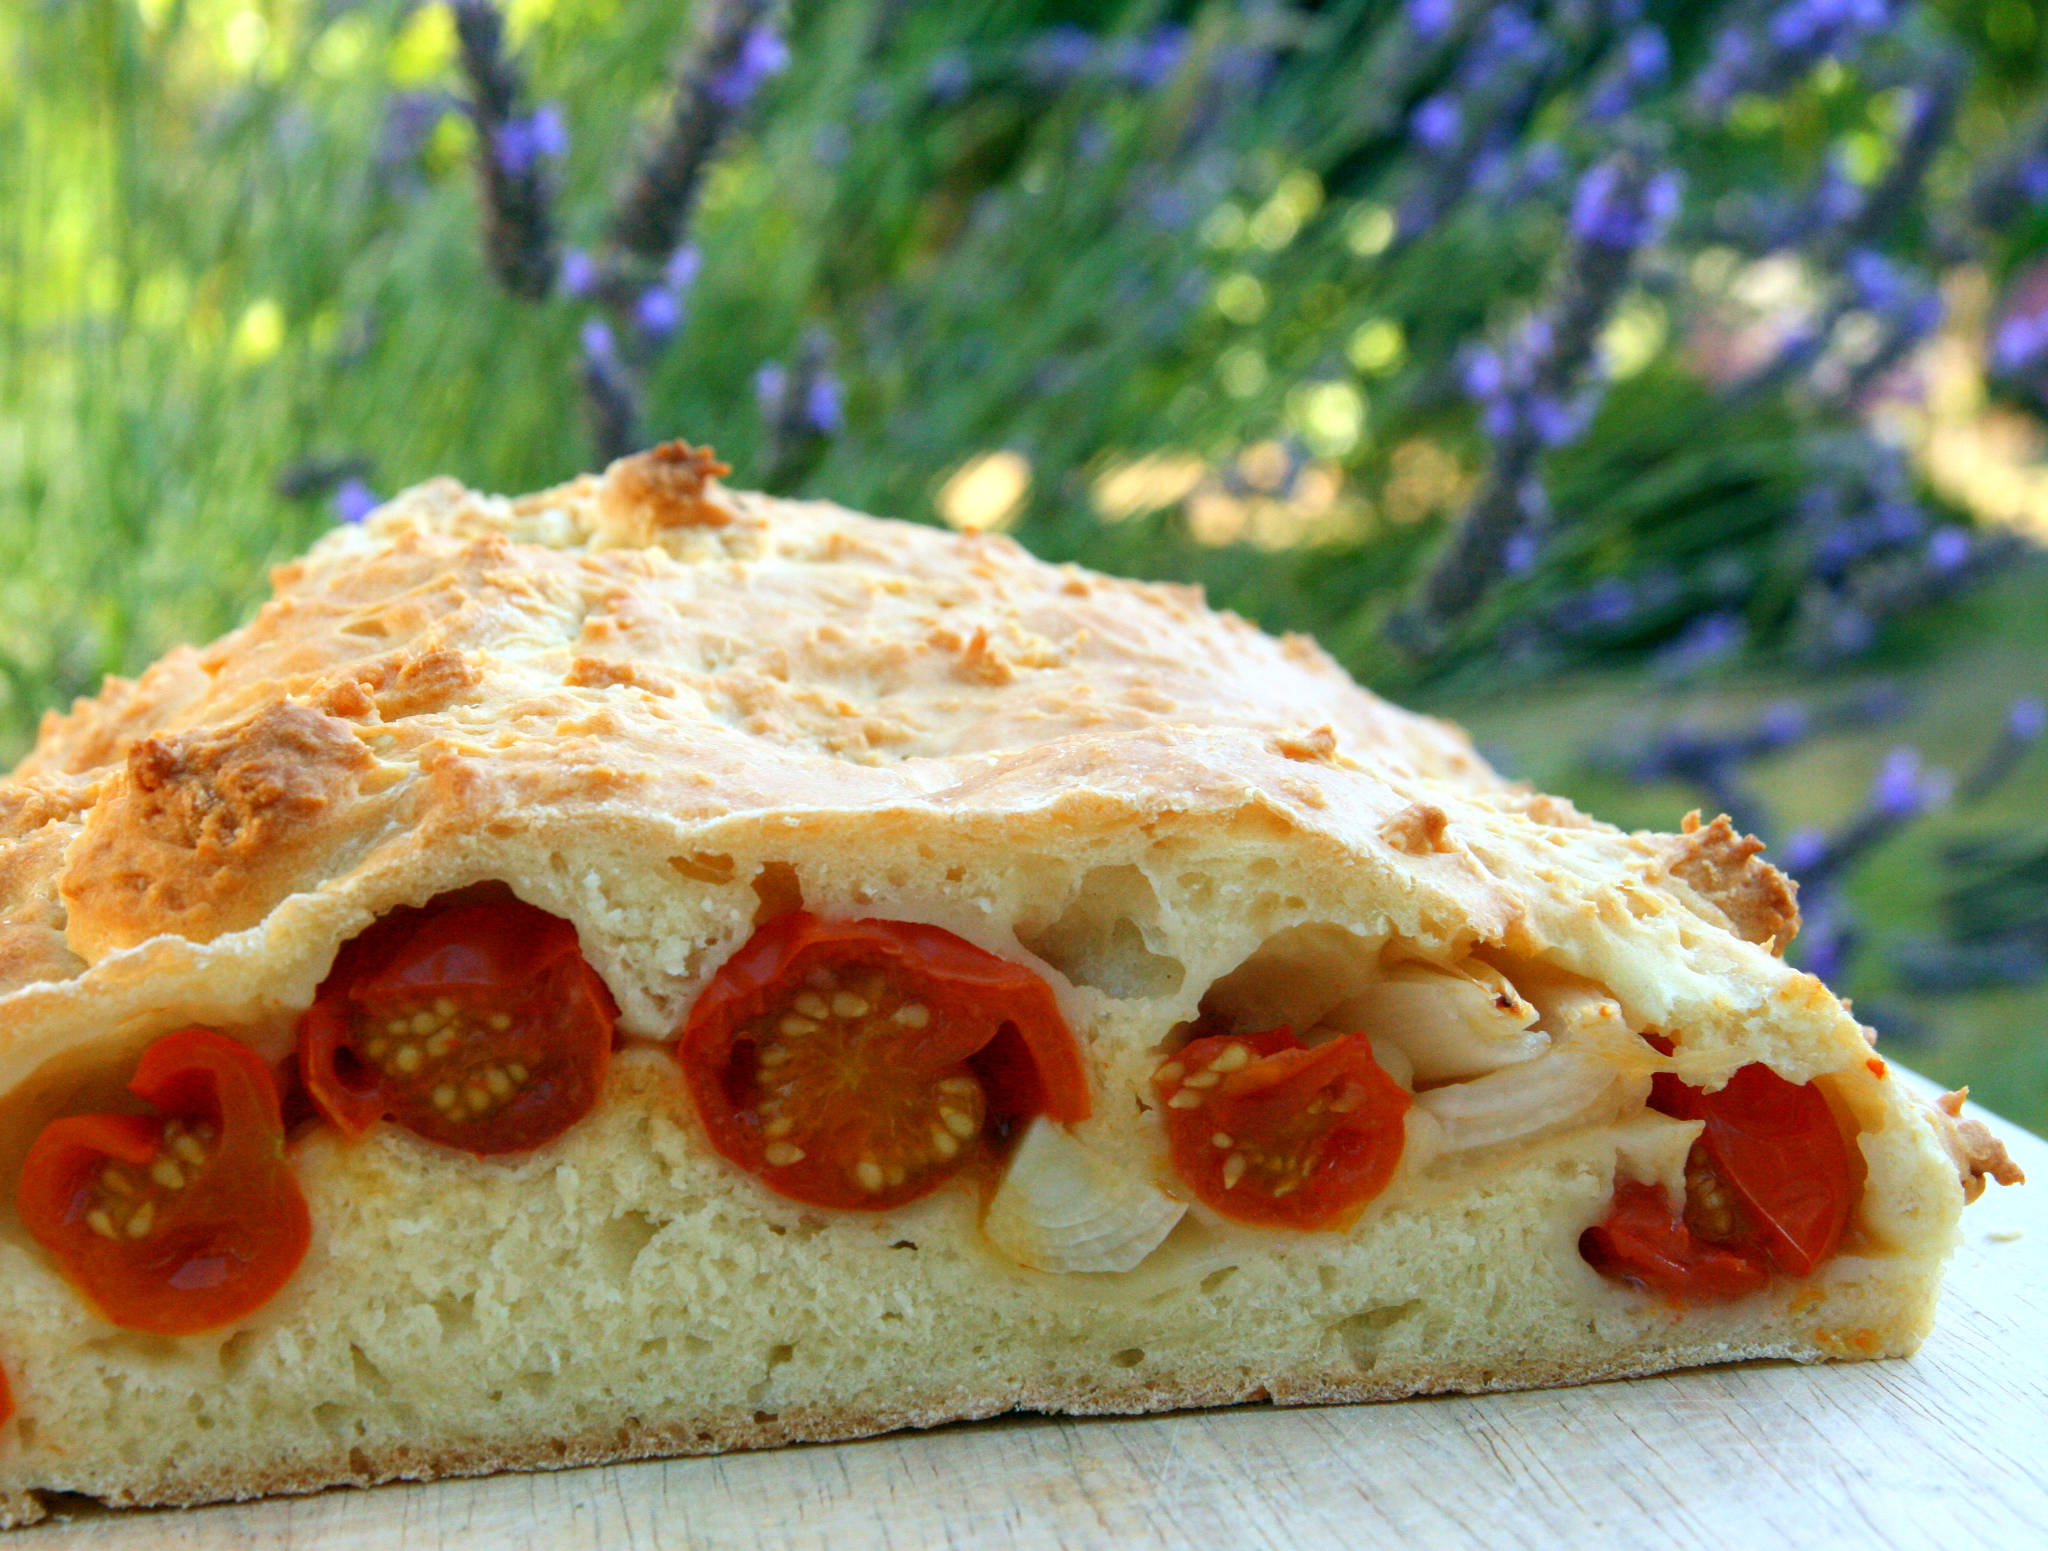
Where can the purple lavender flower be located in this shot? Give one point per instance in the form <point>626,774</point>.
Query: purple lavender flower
<point>1154,59</point>
<point>2018,342</point>
<point>354,500</point>
<point>1060,54</point>
<point>1707,639</point>
<point>770,381</point>
<point>1642,62</point>
<point>824,408</point>
<point>1784,723</point>
<point>1609,602</point>
<point>1431,19</point>
<point>762,56</point>
<point>1794,40</point>
<point>1554,421</point>
<point>578,274</point>
<point>1801,850</point>
<point>549,130</point>
<point>1824,941</point>
<point>1902,789</point>
<point>520,143</point>
<point>1949,549</point>
<point>2026,719</point>
<point>949,78</point>
<point>1436,123</point>
<point>597,341</point>
<point>680,272</point>
<point>1611,210</point>
<point>1523,550</point>
<point>1879,284</point>
<point>657,312</point>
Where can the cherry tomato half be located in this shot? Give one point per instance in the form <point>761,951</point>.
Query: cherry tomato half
<point>1269,1131</point>
<point>1775,1149</point>
<point>861,1064</point>
<point>180,1222</point>
<point>472,1021</point>
<point>1769,1187</point>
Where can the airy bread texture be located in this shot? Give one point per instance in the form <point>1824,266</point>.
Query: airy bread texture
<point>668,712</point>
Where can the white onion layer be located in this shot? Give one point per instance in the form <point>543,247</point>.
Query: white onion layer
<point>1064,1207</point>
<point>1450,1023</point>
<point>1550,1093</point>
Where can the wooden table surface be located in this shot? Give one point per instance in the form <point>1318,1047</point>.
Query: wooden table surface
<point>1947,1449</point>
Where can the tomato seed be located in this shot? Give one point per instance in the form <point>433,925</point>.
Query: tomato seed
<point>962,1126</point>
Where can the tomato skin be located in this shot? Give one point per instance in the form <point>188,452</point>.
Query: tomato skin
<point>1771,1184</point>
<point>1644,1242</point>
<point>1329,1117</point>
<point>508,1085</point>
<point>1776,1146</point>
<point>221,1239</point>
<point>992,1031</point>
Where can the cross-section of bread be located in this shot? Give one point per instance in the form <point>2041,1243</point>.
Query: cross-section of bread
<point>671,715</point>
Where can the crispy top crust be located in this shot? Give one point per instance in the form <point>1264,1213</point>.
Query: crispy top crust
<point>647,642</point>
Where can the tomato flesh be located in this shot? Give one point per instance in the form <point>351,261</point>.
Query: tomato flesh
<point>1769,1188</point>
<point>473,1022</point>
<point>179,1222</point>
<point>1269,1131</point>
<point>861,1064</point>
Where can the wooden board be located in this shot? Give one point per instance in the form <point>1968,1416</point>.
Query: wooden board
<point>1949,1448</point>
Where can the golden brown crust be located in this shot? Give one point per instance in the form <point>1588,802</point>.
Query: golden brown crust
<point>206,830</point>
<point>1978,1154</point>
<point>1720,864</point>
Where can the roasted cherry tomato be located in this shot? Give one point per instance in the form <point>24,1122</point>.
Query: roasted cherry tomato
<point>1770,1168</point>
<point>1269,1131</point>
<point>1769,1186</point>
<point>6,1401</point>
<point>863,1063</point>
<point>182,1221</point>
<point>473,1022</point>
<point>1645,1242</point>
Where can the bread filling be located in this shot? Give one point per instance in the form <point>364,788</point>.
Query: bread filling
<point>861,1065</point>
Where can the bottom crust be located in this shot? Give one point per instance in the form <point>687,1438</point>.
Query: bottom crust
<point>634,1439</point>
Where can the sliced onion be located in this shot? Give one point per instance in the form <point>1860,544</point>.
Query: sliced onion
<point>1451,1023</point>
<point>1550,1093</point>
<point>1063,1207</point>
<point>1574,1009</point>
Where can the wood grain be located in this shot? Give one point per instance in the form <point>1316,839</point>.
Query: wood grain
<point>1949,1448</point>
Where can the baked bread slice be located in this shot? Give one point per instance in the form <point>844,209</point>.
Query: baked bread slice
<point>393,1071</point>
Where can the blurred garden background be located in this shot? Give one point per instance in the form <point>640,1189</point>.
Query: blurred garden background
<point>1657,388</point>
